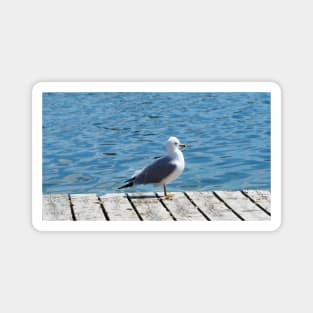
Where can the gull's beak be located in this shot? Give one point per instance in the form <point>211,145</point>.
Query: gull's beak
<point>181,145</point>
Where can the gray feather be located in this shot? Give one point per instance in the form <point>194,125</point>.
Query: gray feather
<point>156,172</point>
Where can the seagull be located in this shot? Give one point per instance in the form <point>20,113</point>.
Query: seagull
<point>162,171</point>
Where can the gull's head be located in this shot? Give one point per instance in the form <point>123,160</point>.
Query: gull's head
<point>172,144</point>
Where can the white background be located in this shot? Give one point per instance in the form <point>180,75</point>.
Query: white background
<point>159,40</point>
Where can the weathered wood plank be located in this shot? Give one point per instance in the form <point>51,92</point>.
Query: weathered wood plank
<point>181,207</point>
<point>243,206</point>
<point>211,206</point>
<point>261,197</point>
<point>149,207</point>
<point>118,207</point>
<point>87,207</point>
<point>219,205</point>
<point>56,207</point>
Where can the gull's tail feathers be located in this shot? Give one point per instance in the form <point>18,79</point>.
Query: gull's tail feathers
<point>129,182</point>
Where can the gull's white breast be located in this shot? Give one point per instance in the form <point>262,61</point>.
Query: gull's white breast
<point>180,165</point>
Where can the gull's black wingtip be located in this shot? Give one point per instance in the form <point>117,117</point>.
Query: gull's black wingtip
<point>127,185</point>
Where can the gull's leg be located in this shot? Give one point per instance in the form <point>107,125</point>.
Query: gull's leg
<point>164,189</point>
<point>167,195</point>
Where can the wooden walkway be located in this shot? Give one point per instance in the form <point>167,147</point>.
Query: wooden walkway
<point>246,205</point>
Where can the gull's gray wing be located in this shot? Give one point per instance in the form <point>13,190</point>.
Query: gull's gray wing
<point>156,172</point>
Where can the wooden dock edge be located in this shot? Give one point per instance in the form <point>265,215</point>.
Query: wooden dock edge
<point>244,205</point>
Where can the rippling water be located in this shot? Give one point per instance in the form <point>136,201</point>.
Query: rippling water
<point>92,142</point>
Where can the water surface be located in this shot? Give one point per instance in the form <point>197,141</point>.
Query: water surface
<point>92,142</point>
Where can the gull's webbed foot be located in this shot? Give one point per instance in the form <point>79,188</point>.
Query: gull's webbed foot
<point>169,196</point>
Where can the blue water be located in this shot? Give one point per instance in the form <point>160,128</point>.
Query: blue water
<point>93,142</point>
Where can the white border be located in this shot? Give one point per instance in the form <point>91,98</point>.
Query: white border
<point>42,87</point>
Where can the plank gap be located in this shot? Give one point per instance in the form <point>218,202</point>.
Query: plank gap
<point>149,207</point>
<point>256,203</point>
<point>87,207</point>
<point>72,208</point>
<point>105,213</point>
<point>133,206</point>
<point>166,208</point>
<point>226,204</point>
<point>195,205</point>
